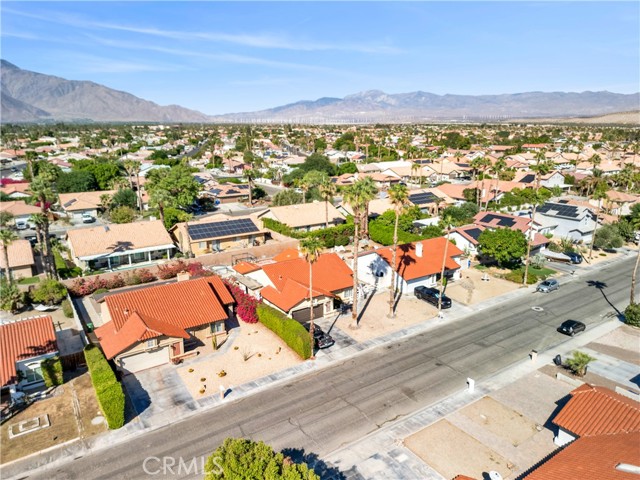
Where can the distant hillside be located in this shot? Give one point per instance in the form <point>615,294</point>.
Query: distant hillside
<point>377,106</point>
<point>29,96</point>
<point>622,118</point>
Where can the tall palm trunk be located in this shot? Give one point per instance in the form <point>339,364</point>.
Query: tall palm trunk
<point>633,277</point>
<point>7,270</point>
<point>326,214</point>
<point>394,266</point>
<point>311,325</point>
<point>161,211</point>
<point>356,245</point>
<point>595,227</point>
<point>529,242</point>
<point>139,191</point>
<point>444,263</point>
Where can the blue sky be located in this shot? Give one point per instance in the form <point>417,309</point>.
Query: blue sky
<point>219,57</point>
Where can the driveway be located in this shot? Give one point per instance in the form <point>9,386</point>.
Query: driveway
<point>155,390</point>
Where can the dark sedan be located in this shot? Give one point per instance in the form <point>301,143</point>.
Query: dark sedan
<point>322,339</point>
<point>431,295</point>
<point>571,327</point>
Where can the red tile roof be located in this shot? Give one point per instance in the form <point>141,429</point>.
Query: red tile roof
<point>463,477</point>
<point>410,266</point>
<point>291,280</point>
<point>597,411</point>
<point>246,267</point>
<point>288,254</point>
<point>22,340</point>
<point>592,458</point>
<point>162,310</point>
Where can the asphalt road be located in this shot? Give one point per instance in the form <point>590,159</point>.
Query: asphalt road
<point>325,410</point>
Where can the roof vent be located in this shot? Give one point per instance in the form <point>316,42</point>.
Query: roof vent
<point>126,311</point>
<point>628,468</point>
<point>419,249</point>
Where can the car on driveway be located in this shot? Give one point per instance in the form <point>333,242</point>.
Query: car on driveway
<point>87,218</point>
<point>322,340</point>
<point>571,327</point>
<point>548,286</point>
<point>574,257</point>
<point>431,295</point>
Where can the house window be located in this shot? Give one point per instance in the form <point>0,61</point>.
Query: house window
<point>152,343</point>
<point>217,327</point>
<point>202,245</point>
<point>33,372</point>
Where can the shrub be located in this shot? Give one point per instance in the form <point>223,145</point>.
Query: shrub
<point>245,304</point>
<point>241,459</point>
<point>52,371</point>
<point>122,215</point>
<point>67,309</point>
<point>49,292</point>
<point>517,276</point>
<point>101,290</point>
<point>292,332</point>
<point>86,286</point>
<point>10,296</point>
<point>115,282</point>
<point>632,315</point>
<point>108,389</point>
<point>578,363</point>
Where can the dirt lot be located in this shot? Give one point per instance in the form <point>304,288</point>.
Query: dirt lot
<point>66,423</point>
<point>375,323</point>
<point>266,353</point>
<point>471,289</point>
<point>623,343</point>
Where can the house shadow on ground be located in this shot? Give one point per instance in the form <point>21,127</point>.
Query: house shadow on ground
<point>137,399</point>
<point>322,469</point>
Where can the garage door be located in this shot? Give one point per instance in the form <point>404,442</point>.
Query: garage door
<point>303,315</point>
<point>145,360</point>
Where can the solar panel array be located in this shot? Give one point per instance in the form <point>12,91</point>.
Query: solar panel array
<point>422,198</point>
<point>473,233</point>
<point>502,221</point>
<point>222,229</point>
<point>560,209</point>
<point>528,178</point>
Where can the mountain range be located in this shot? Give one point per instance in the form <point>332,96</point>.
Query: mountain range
<point>35,97</point>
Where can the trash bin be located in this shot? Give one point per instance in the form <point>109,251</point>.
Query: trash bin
<point>89,327</point>
<point>557,360</point>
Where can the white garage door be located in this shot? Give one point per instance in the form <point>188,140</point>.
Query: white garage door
<point>145,360</point>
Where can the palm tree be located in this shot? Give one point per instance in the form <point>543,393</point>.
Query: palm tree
<point>399,196</point>
<point>42,190</point>
<point>5,218</point>
<point>160,198</point>
<point>7,237</point>
<point>414,168</point>
<point>132,167</point>
<point>327,191</point>
<point>448,221</point>
<point>496,169</point>
<point>38,221</point>
<point>358,196</point>
<point>541,168</point>
<point>633,276</point>
<point>595,160</point>
<point>598,194</point>
<point>311,248</point>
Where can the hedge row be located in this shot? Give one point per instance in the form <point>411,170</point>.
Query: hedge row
<point>108,389</point>
<point>52,371</point>
<point>292,332</point>
<point>330,237</point>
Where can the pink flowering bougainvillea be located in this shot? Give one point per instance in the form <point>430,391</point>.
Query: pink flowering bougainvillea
<point>245,304</point>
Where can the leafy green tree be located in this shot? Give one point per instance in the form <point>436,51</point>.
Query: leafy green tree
<point>348,167</point>
<point>5,218</point>
<point>175,215</point>
<point>258,192</point>
<point>242,459</point>
<point>463,214</point>
<point>49,291</point>
<point>287,197</point>
<point>504,245</point>
<point>76,181</point>
<point>125,197</point>
<point>122,215</point>
<point>345,142</point>
<point>319,145</point>
<point>172,187</point>
<point>608,236</point>
<point>318,162</point>
<point>626,229</point>
<point>10,296</point>
<point>578,363</point>
<point>104,171</point>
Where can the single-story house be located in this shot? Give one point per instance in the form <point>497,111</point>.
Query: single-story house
<point>286,285</point>
<point>227,193</point>
<point>20,210</point>
<point>25,344</point>
<point>119,245</point>
<point>305,216</point>
<point>217,234</point>
<point>377,207</point>
<point>466,238</point>
<point>153,326</point>
<point>418,264</point>
<point>21,261</point>
<point>429,200</point>
<point>550,180</point>
<point>75,204</point>
<point>16,191</point>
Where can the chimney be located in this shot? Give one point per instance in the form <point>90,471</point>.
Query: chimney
<point>419,249</point>
<point>183,275</point>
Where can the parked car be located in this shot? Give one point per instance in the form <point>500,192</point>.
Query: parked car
<point>548,286</point>
<point>571,327</point>
<point>88,218</point>
<point>431,295</point>
<point>22,224</point>
<point>574,257</point>
<point>321,339</point>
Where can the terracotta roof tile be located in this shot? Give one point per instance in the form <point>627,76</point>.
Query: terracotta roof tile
<point>20,254</point>
<point>598,410</point>
<point>305,214</point>
<point>18,208</point>
<point>246,267</point>
<point>288,254</point>
<point>410,266</point>
<point>24,339</point>
<point>592,458</point>
<point>82,200</point>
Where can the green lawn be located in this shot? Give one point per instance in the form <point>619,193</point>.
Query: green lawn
<point>28,280</point>
<point>540,272</point>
